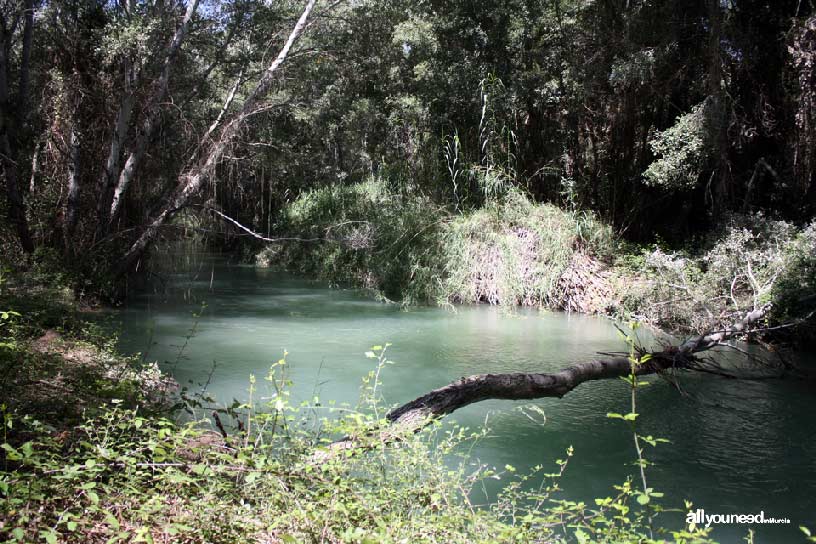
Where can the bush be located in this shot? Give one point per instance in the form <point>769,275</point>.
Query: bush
<point>794,291</point>
<point>681,152</point>
<point>749,263</point>
<point>511,251</point>
<point>363,235</point>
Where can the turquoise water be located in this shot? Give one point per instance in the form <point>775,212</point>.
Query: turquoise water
<point>736,446</point>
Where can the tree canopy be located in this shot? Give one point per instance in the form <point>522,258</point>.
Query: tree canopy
<point>658,116</point>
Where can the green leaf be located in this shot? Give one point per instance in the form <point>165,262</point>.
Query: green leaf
<point>370,354</point>
<point>581,536</point>
<point>643,499</point>
<point>111,520</point>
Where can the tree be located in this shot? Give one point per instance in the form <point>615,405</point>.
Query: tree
<point>16,22</point>
<point>688,356</point>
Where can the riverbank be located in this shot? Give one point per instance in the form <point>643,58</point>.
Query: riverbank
<point>512,251</point>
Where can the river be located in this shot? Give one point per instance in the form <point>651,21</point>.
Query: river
<point>737,447</point>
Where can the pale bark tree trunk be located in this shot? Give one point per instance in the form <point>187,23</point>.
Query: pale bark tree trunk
<point>111,203</point>
<point>72,200</point>
<point>190,181</point>
<point>120,129</point>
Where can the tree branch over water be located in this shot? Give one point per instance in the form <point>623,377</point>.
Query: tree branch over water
<point>438,403</point>
<point>518,386</point>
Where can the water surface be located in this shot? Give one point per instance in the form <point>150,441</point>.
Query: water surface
<point>736,446</point>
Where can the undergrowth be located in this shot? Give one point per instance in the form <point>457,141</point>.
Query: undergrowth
<point>512,251</point>
<point>126,477</point>
<point>752,262</point>
<point>508,251</point>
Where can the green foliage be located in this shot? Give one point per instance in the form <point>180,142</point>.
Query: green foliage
<point>681,151</point>
<point>363,234</point>
<point>126,477</point>
<point>794,290</point>
<point>511,251</point>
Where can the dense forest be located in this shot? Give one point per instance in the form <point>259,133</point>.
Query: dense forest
<point>660,117</point>
<point>646,160</point>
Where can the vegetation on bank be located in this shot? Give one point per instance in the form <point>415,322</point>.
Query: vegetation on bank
<point>660,118</point>
<point>513,251</point>
<point>508,251</point>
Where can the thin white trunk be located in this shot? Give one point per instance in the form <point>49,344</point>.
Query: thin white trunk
<point>111,172</point>
<point>72,201</point>
<point>151,115</point>
<point>190,181</point>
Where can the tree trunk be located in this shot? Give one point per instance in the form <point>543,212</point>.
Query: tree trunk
<point>191,181</point>
<point>418,413</point>
<point>717,113</point>
<point>72,201</point>
<point>111,204</point>
<point>10,116</point>
<point>111,173</point>
<point>465,391</point>
<point>532,386</point>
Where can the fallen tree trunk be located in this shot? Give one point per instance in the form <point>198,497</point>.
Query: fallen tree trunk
<point>418,413</point>
<point>521,386</point>
<point>518,386</point>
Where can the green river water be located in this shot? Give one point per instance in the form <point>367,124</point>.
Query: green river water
<point>737,447</point>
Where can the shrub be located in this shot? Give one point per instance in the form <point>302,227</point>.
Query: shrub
<point>511,251</point>
<point>749,263</point>
<point>794,291</point>
<point>363,235</point>
<point>124,477</point>
<point>680,151</point>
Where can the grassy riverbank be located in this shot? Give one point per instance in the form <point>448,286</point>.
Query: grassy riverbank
<point>512,251</point>
<point>91,451</point>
